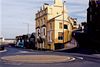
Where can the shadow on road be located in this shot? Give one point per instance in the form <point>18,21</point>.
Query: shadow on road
<point>81,51</point>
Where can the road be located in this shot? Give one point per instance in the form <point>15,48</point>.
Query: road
<point>82,60</point>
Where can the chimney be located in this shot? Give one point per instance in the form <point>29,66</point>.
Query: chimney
<point>58,2</point>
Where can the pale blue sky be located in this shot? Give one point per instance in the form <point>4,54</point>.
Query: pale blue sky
<point>15,13</point>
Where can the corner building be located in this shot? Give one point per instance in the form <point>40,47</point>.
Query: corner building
<point>53,26</point>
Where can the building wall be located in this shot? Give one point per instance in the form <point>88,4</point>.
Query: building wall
<point>55,16</point>
<point>93,16</point>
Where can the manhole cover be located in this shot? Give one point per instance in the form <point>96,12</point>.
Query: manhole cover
<point>37,58</point>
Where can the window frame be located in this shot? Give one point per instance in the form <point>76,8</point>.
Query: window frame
<point>66,26</point>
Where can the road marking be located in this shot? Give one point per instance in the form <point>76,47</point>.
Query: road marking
<point>81,58</point>
<point>25,52</point>
<point>3,51</point>
<point>13,63</point>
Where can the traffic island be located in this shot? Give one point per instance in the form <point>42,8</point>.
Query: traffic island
<point>37,58</point>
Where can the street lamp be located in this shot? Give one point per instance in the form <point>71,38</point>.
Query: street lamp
<point>27,27</point>
<point>63,21</point>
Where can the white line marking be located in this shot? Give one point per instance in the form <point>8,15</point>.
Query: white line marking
<point>3,51</point>
<point>25,52</point>
<point>80,58</point>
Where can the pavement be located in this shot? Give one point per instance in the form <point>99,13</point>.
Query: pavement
<point>81,51</point>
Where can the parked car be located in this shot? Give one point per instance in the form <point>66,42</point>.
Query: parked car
<point>26,41</point>
<point>1,47</point>
<point>19,42</point>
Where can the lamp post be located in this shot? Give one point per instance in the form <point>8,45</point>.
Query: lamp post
<point>27,27</point>
<point>63,22</point>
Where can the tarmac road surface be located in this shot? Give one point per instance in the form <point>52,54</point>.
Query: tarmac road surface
<point>82,60</point>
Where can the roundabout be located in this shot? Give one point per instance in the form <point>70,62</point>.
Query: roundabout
<point>15,57</point>
<point>37,58</point>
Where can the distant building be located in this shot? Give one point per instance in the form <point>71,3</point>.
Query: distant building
<point>53,26</point>
<point>9,41</point>
<point>1,40</point>
<point>88,35</point>
<point>26,41</point>
<point>6,41</point>
<point>93,24</point>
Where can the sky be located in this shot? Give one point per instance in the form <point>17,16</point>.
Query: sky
<point>15,15</point>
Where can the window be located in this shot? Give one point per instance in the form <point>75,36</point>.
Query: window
<point>90,9</point>
<point>65,27</point>
<point>50,36</point>
<point>60,36</point>
<point>90,17</point>
<point>60,25</point>
<point>57,13</point>
<point>38,32</point>
<point>75,23</point>
<point>50,25</point>
<point>50,10</point>
<point>43,21</point>
<point>44,18</point>
<point>38,22</point>
<point>44,31</point>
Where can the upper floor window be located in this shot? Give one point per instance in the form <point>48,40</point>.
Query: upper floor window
<point>60,25</point>
<point>50,25</point>
<point>38,22</point>
<point>44,31</point>
<point>49,36</point>
<point>38,32</point>
<point>43,20</point>
<point>65,27</point>
<point>90,9</point>
<point>75,23</point>
<point>90,17</point>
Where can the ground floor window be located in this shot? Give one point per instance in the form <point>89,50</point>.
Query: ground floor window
<point>50,36</point>
<point>60,36</point>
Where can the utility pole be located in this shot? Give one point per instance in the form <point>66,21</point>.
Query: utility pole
<point>63,21</point>
<point>27,27</point>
